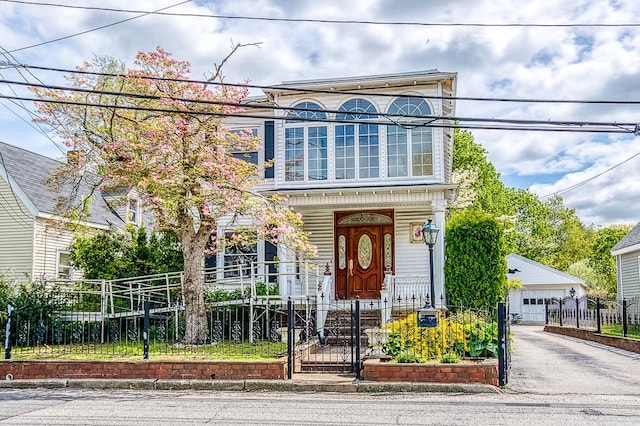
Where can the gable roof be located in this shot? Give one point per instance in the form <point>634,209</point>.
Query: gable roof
<point>533,273</point>
<point>27,172</point>
<point>628,243</point>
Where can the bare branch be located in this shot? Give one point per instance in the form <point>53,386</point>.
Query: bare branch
<point>234,47</point>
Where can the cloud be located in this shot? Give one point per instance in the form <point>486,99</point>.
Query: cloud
<point>566,63</point>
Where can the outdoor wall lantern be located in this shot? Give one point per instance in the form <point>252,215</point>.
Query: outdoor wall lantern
<point>572,292</point>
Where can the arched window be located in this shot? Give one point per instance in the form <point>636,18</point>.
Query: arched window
<point>357,146</point>
<point>305,144</point>
<point>410,148</point>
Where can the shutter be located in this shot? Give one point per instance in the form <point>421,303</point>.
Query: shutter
<point>271,254</point>
<point>269,149</point>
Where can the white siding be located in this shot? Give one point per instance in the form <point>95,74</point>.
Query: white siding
<point>16,236</point>
<point>320,225</point>
<point>411,258</point>
<point>50,237</point>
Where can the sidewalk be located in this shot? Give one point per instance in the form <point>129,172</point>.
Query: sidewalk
<point>299,383</point>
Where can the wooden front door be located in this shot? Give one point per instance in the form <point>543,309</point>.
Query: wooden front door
<point>360,255</point>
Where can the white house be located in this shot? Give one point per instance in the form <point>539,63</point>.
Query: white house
<point>33,241</point>
<point>366,161</point>
<point>539,284</point>
<point>627,254</point>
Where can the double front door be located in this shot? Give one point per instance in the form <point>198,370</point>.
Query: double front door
<point>364,244</point>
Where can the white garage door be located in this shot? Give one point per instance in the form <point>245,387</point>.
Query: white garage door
<point>533,303</point>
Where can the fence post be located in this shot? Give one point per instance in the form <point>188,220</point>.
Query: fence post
<point>145,331</point>
<point>502,344</point>
<point>598,325</point>
<point>546,312</point>
<point>577,314</point>
<point>7,342</point>
<point>290,338</point>
<point>624,317</point>
<point>357,339</point>
<point>560,312</point>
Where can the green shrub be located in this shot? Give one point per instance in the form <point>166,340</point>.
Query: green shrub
<point>450,358</point>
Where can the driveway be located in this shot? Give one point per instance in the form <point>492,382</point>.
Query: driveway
<point>548,363</point>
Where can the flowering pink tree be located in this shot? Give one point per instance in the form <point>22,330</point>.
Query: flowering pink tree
<point>148,129</point>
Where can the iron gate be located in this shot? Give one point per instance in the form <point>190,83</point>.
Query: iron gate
<point>332,347</point>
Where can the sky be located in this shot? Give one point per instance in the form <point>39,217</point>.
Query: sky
<point>550,54</point>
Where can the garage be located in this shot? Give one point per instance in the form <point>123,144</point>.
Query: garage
<point>533,303</point>
<point>539,283</point>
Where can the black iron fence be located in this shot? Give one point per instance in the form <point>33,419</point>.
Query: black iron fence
<point>68,327</point>
<point>612,317</point>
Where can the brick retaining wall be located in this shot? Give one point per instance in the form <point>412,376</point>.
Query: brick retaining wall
<point>176,370</point>
<point>626,343</point>
<point>485,372</point>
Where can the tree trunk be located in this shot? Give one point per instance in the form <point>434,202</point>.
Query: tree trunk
<point>196,330</point>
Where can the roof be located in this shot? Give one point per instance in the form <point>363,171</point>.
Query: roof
<point>628,242</point>
<point>28,171</point>
<point>530,272</point>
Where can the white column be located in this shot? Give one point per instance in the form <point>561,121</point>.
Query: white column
<point>438,207</point>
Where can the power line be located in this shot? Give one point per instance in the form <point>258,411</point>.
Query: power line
<point>340,21</point>
<point>371,122</point>
<point>291,88</point>
<point>96,28</point>
<point>391,117</point>
<point>584,182</point>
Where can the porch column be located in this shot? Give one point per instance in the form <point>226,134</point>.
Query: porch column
<point>438,207</point>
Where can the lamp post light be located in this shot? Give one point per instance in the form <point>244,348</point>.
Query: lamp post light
<point>430,235</point>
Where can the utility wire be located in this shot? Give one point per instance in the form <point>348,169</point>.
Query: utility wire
<point>292,88</point>
<point>541,128</point>
<point>96,28</point>
<point>340,21</point>
<point>292,110</point>
<point>584,182</point>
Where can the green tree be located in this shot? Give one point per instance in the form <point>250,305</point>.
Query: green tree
<point>111,255</point>
<point>476,268</point>
<point>600,258</point>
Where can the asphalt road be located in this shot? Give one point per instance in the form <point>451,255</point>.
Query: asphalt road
<point>548,363</point>
<point>554,380</point>
<point>66,407</point>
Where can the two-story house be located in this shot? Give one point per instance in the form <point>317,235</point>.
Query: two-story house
<point>34,237</point>
<point>366,161</point>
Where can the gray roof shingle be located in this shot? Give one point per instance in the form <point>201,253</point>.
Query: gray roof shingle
<point>30,171</point>
<point>631,239</point>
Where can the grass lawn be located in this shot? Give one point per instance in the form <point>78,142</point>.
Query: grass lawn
<point>157,351</point>
<point>616,330</point>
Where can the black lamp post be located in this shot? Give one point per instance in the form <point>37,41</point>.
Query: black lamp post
<point>430,235</point>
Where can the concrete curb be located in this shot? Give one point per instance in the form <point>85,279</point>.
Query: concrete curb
<point>339,386</point>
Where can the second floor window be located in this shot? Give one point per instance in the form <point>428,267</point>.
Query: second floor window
<point>409,148</point>
<point>133,212</point>
<point>305,144</point>
<point>357,145</point>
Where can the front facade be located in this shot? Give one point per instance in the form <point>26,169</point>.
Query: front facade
<point>366,161</point>
<point>540,283</point>
<point>627,255</point>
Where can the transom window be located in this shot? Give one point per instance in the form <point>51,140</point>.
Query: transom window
<point>357,146</point>
<point>305,144</point>
<point>410,147</point>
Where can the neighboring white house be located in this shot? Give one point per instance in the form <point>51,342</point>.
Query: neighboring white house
<point>33,242</point>
<point>364,178</point>
<point>539,283</point>
<point>627,254</point>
